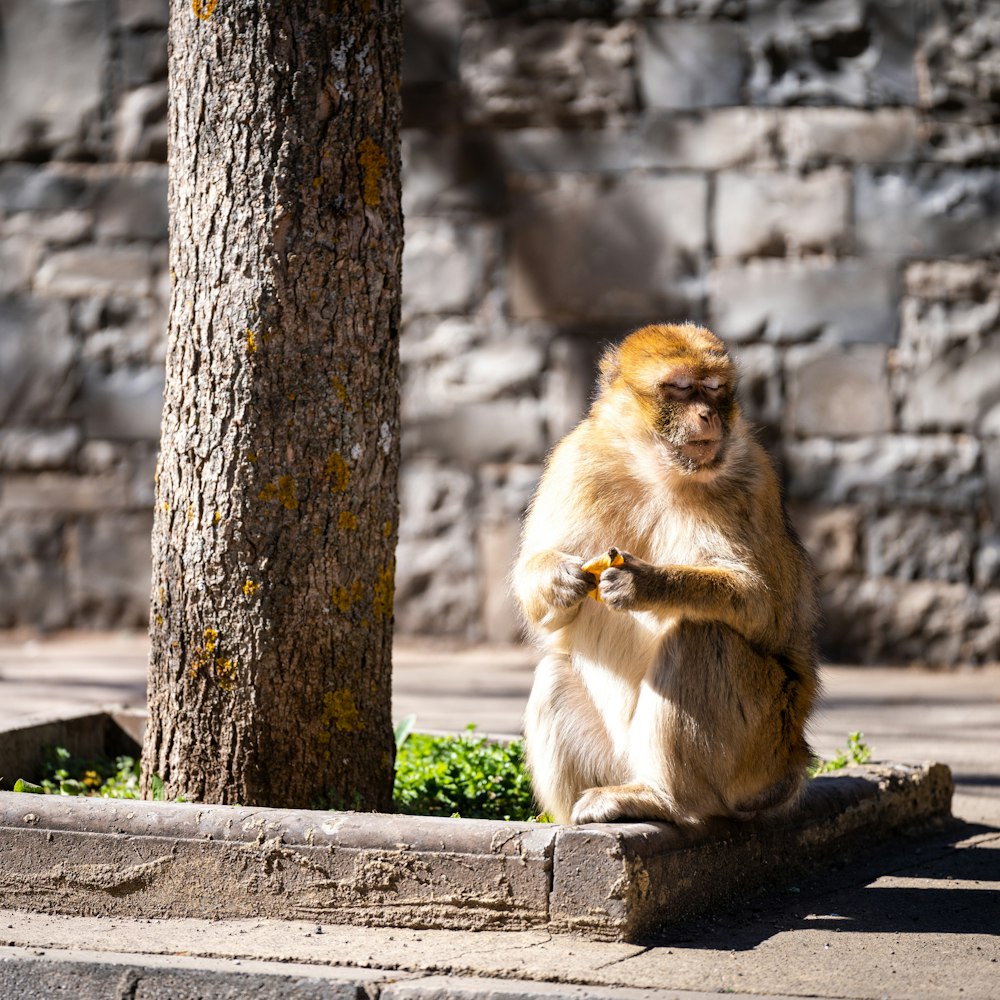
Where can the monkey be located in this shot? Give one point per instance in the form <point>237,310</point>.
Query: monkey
<point>683,693</point>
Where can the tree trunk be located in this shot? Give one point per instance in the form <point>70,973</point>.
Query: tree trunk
<point>276,514</point>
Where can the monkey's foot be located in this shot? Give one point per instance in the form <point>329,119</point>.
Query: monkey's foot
<point>614,803</point>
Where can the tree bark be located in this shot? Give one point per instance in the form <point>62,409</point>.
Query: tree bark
<point>276,517</point>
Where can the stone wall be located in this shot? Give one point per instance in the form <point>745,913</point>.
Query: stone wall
<point>818,181</point>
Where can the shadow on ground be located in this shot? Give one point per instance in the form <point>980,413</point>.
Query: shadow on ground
<point>938,883</point>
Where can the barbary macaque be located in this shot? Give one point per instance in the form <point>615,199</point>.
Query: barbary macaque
<point>682,693</point>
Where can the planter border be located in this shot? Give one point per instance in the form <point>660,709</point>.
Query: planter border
<point>605,881</point>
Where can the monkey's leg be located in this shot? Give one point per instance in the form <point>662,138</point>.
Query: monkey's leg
<point>567,744</point>
<point>617,802</point>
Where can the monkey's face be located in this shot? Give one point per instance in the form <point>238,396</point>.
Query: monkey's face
<point>685,386</point>
<point>694,412</point>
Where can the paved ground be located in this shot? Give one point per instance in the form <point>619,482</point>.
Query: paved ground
<point>920,918</point>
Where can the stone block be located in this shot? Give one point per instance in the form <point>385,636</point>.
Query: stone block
<point>986,567</point>
<point>452,172</point>
<point>123,404</point>
<point>931,214</point>
<point>761,213</point>
<point>143,57</point>
<point>991,461</point>
<point>37,358</point>
<point>32,577</point>
<point>919,545</point>
<point>549,72</point>
<point>691,64</point>
<point>501,430</point>
<point>761,390</point>
<point>960,143</point>
<point>431,32</point>
<point>933,470</point>
<point>635,248</point>
<point>139,14</point>
<point>812,137</point>
<point>571,373</point>
<point>831,536</point>
<point>960,57</point>
<point>445,266</point>
<point>24,449</point>
<point>842,301</point>
<point>439,378</point>
<point>837,392</point>
<point>556,150</point>
<point>948,363</point>
<point>29,188</point>
<point>140,125</point>
<point>840,52</point>
<point>952,279</point>
<point>921,622</point>
<point>95,270</point>
<point>119,332</point>
<point>130,204</point>
<point>18,256</point>
<point>437,581</point>
<point>62,493</point>
<point>109,570</point>
<point>52,76</point>
<point>723,139</point>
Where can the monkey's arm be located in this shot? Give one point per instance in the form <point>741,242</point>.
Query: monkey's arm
<point>735,596</point>
<point>551,585</point>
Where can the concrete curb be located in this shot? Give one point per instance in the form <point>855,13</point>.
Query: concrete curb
<point>90,975</point>
<point>614,882</point>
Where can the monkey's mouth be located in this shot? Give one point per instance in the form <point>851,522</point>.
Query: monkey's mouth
<point>701,451</point>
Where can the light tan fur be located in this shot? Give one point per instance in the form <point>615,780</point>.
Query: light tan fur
<point>684,693</point>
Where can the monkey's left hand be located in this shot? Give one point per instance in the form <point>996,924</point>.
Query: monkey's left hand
<point>633,586</point>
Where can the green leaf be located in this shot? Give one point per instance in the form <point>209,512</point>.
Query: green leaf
<point>26,786</point>
<point>156,787</point>
<point>403,729</point>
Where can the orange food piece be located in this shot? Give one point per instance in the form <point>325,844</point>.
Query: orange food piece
<point>597,566</point>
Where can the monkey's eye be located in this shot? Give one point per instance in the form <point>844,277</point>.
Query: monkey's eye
<point>713,384</point>
<point>680,383</point>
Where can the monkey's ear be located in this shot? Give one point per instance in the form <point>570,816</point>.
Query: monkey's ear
<point>609,368</point>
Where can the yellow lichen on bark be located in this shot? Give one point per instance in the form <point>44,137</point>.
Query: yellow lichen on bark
<point>344,597</point>
<point>340,711</point>
<point>251,341</point>
<point>372,160</point>
<point>250,588</point>
<point>384,590</point>
<point>203,10</point>
<point>284,491</point>
<point>346,521</point>
<point>337,472</point>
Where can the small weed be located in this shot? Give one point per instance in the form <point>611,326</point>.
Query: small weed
<point>857,752</point>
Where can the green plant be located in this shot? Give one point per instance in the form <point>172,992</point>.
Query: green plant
<point>856,752</point>
<point>464,775</point>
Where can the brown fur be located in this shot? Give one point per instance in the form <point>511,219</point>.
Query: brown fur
<point>684,694</point>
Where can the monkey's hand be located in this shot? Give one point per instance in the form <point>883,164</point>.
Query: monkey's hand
<point>569,584</point>
<point>632,586</point>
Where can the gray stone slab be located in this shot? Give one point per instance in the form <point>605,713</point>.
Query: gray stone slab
<point>771,214</point>
<point>691,64</point>
<point>936,213</point>
<point>638,246</point>
<point>92,975</point>
<point>616,882</point>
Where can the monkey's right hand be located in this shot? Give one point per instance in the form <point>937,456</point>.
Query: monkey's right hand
<point>570,583</point>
